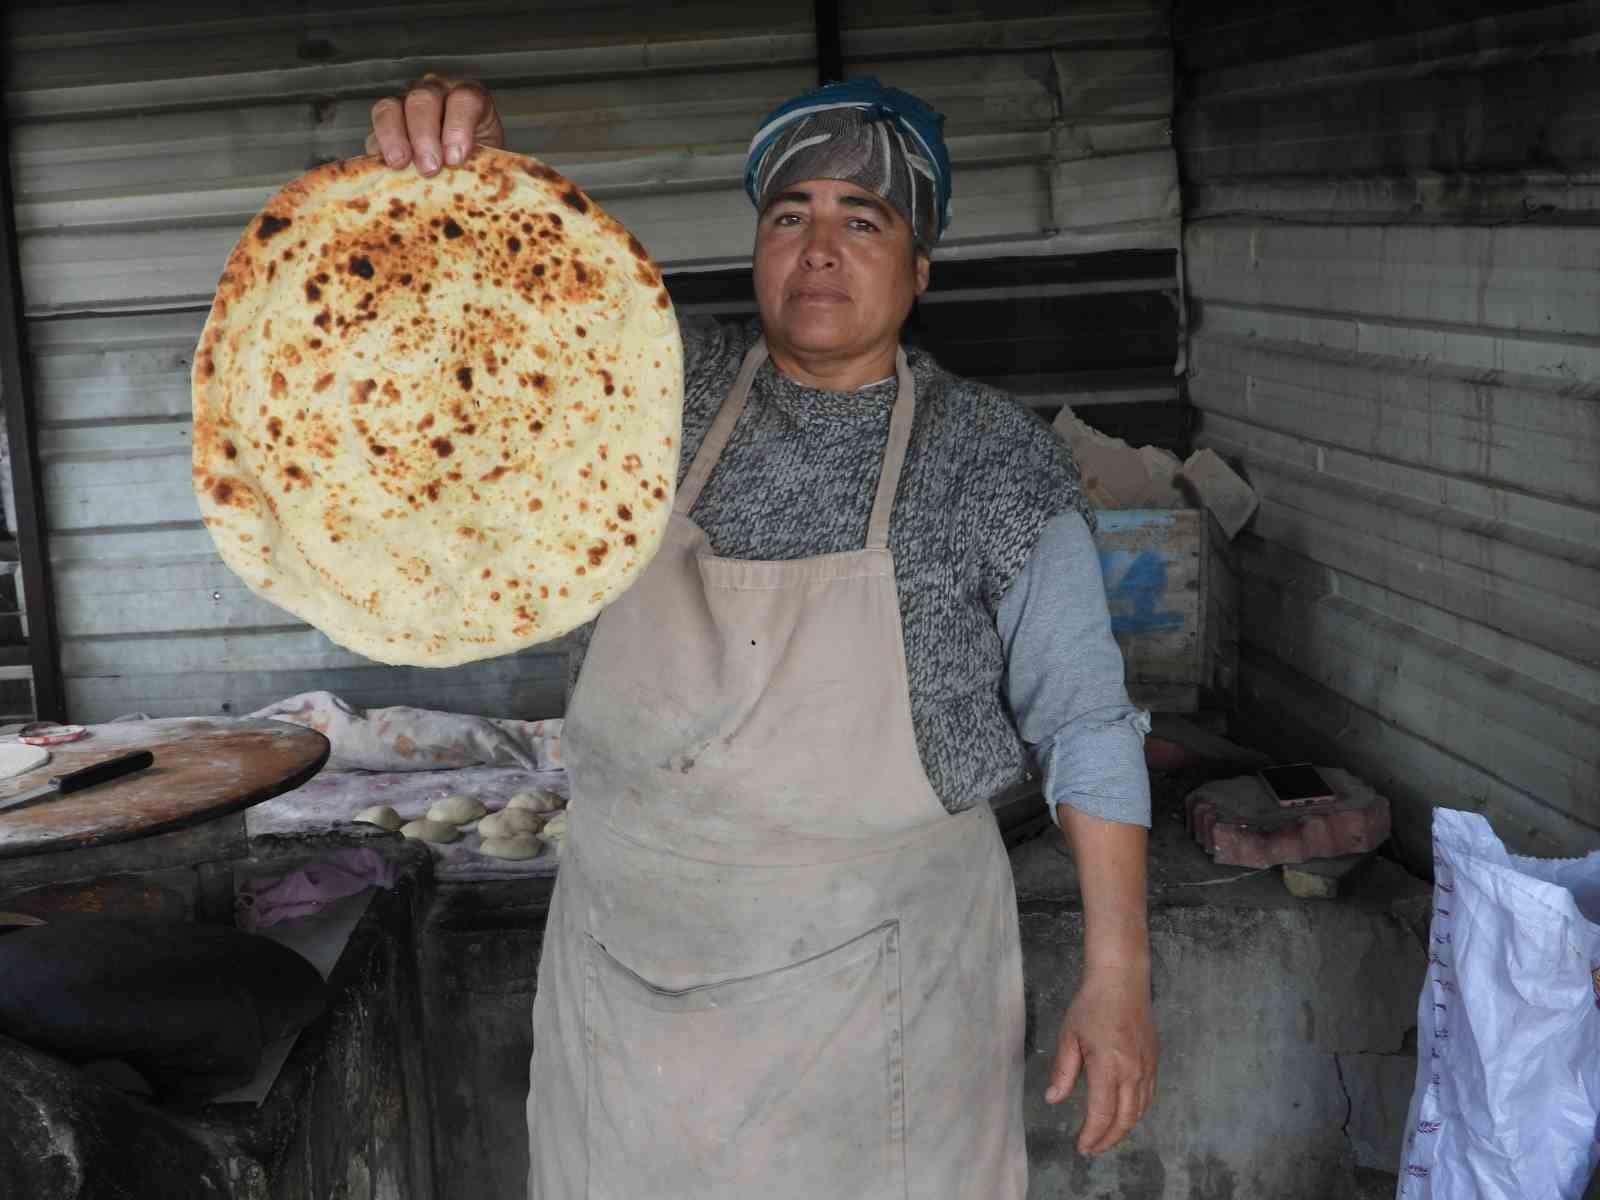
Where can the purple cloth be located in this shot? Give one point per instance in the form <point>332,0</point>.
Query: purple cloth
<point>261,903</point>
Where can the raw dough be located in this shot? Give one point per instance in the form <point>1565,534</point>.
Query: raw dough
<point>537,802</point>
<point>555,828</point>
<point>17,758</point>
<point>381,815</point>
<point>430,831</point>
<point>509,821</point>
<point>517,846</point>
<point>456,810</point>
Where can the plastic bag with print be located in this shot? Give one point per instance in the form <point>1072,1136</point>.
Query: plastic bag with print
<point>1508,1073</point>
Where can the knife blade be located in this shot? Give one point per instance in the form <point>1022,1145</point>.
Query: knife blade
<point>76,781</point>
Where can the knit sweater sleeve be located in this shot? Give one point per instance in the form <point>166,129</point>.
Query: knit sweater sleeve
<point>1020,476</point>
<point>712,352</point>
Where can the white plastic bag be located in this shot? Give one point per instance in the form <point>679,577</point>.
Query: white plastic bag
<point>1508,1073</point>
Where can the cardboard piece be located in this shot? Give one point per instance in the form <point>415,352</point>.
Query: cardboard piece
<point>1116,475</point>
<point>1219,489</point>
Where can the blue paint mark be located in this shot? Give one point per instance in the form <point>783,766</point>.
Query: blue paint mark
<point>1124,520</point>
<point>1136,584</point>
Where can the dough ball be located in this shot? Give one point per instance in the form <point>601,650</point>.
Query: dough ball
<point>537,802</point>
<point>381,815</point>
<point>509,821</point>
<point>430,831</point>
<point>456,810</point>
<point>516,846</point>
<point>555,828</point>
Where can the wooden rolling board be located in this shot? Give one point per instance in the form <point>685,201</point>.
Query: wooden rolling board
<point>205,768</point>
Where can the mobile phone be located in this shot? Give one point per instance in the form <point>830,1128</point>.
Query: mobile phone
<point>1296,784</point>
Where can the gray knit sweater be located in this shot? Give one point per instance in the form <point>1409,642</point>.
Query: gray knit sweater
<point>982,478</point>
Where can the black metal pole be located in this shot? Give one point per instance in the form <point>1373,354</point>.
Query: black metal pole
<point>16,400</point>
<point>830,53</point>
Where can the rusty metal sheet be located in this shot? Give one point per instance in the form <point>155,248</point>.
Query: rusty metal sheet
<point>204,769</point>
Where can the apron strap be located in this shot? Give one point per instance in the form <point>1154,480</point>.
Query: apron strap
<point>716,439</point>
<point>894,453</point>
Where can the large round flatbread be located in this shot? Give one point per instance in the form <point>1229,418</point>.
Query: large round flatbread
<point>437,418</point>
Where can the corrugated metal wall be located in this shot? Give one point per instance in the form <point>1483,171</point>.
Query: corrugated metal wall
<point>1392,245</point>
<point>144,135</point>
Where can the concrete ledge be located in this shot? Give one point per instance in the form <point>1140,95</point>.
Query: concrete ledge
<point>1277,1017</point>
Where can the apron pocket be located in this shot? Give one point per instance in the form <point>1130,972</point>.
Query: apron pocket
<point>783,1085</point>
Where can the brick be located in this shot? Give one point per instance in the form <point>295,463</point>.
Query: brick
<point>1238,822</point>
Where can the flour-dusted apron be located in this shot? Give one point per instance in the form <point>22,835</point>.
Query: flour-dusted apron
<point>775,966</point>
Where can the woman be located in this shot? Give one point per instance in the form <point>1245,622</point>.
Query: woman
<point>782,957</point>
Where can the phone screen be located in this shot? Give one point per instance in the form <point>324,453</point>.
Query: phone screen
<point>1297,783</point>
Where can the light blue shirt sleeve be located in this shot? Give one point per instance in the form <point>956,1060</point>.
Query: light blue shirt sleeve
<point>1064,679</point>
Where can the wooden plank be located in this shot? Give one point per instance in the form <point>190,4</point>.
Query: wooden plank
<point>161,597</point>
<point>89,72</point>
<point>1151,564</point>
<point>1132,82</point>
<point>1112,190</point>
<point>620,130</point>
<point>289,647</point>
<point>1522,609</point>
<point>1394,331</point>
<point>1159,567</point>
<point>21,479</point>
<point>1368,200</point>
<point>99,65</point>
<point>114,548</point>
<point>1220,612</point>
<point>107,268</point>
<point>1474,353</point>
<point>1504,653</point>
<point>534,689</point>
<point>1543,440</point>
<point>1238,46</point>
<point>1535,739</point>
<point>1508,532</point>
<point>93,369</point>
<point>1527,279</point>
<point>1331,113</point>
<point>618,133</point>
<point>104,495</point>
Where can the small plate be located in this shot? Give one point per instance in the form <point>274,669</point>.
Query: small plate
<point>51,735</point>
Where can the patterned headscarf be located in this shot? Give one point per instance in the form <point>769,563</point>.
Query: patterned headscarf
<point>880,139</point>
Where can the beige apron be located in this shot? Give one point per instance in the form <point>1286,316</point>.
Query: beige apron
<point>775,966</point>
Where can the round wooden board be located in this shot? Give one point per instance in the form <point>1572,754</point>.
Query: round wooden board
<point>204,768</point>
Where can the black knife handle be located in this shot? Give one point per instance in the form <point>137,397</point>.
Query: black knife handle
<point>101,772</point>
